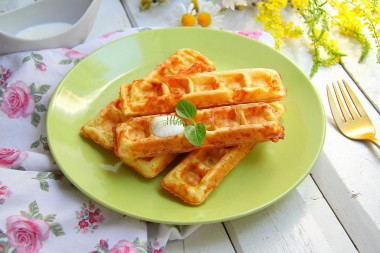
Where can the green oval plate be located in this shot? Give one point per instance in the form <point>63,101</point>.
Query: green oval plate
<point>265,175</point>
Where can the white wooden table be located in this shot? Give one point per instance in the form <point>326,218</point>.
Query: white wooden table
<point>337,207</point>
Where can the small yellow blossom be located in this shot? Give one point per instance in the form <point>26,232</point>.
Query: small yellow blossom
<point>270,16</point>
<point>300,4</point>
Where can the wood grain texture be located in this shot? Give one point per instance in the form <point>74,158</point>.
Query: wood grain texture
<point>210,238</point>
<point>110,17</point>
<point>291,225</point>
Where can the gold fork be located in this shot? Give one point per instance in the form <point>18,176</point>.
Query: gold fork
<point>355,123</point>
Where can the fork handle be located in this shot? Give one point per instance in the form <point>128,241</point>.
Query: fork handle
<point>375,141</point>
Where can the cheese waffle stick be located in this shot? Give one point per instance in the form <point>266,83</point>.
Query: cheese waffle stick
<point>225,126</point>
<point>184,61</point>
<point>151,166</point>
<point>99,128</point>
<point>202,170</point>
<point>204,90</point>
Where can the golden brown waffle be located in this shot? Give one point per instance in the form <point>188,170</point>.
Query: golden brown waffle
<point>149,167</point>
<point>99,128</point>
<point>182,62</point>
<point>225,126</point>
<point>204,90</point>
<point>202,170</point>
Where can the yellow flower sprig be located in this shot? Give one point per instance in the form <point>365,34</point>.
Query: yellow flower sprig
<point>350,24</point>
<point>317,20</point>
<point>369,13</point>
<point>270,16</point>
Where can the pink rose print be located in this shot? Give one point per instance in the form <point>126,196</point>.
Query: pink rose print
<point>107,35</point>
<point>17,101</point>
<point>88,218</point>
<point>72,56</point>
<point>27,232</point>
<point>12,158</point>
<point>26,235</point>
<point>155,247</point>
<point>37,59</point>
<point>5,193</point>
<point>123,246</point>
<point>41,66</point>
<point>103,244</point>
<point>252,34</point>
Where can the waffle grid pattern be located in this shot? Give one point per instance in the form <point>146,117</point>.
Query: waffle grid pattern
<point>225,126</point>
<point>143,97</point>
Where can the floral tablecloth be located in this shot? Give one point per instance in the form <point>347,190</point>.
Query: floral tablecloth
<point>40,210</point>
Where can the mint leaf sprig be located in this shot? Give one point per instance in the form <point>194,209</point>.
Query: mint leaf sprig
<point>194,132</point>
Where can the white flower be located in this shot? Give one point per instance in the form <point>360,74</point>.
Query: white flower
<point>180,12</point>
<point>208,15</point>
<point>232,3</point>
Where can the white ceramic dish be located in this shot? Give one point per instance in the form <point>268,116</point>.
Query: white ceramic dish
<point>47,24</point>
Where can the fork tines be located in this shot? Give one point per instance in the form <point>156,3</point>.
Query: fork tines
<point>355,109</point>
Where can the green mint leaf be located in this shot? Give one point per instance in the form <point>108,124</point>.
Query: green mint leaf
<point>186,109</point>
<point>195,134</point>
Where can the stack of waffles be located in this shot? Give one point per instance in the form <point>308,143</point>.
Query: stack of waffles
<point>237,107</point>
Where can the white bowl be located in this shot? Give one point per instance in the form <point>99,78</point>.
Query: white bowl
<point>47,24</point>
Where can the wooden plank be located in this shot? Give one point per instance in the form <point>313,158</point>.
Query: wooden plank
<point>129,13</point>
<point>301,222</point>
<point>345,204</point>
<point>366,75</point>
<point>208,238</point>
<point>110,17</point>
